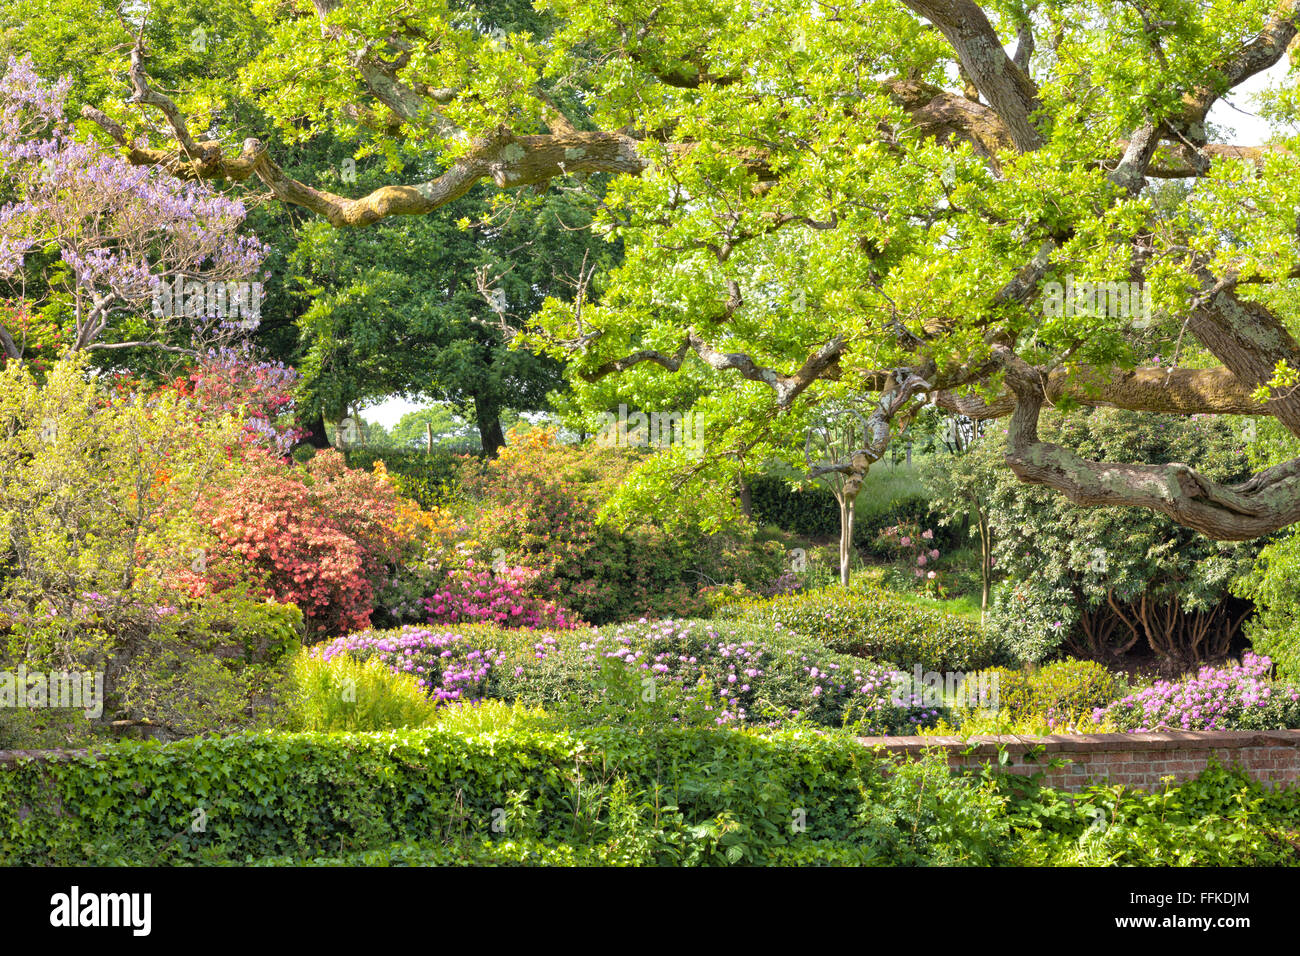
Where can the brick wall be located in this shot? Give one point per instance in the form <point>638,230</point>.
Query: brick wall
<point>1137,760</point>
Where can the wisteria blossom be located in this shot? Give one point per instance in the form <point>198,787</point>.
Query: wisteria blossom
<point>121,230</point>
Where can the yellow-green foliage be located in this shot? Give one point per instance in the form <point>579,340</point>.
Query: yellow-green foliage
<point>94,501</point>
<point>1065,692</point>
<point>344,694</point>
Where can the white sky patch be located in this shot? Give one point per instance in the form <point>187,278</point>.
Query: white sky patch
<point>390,411</point>
<point>1238,111</point>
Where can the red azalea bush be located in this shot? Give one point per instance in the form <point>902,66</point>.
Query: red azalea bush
<point>319,535</point>
<point>500,597</point>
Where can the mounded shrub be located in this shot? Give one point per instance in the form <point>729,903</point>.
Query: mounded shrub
<point>734,673</point>
<point>500,597</point>
<point>321,535</point>
<point>1059,693</point>
<point>1234,697</point>
<point>874,624</point>
<point>446,666</point>
<point>694,671</point>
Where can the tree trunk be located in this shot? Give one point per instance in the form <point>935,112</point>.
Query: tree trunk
<point>746,499</point>
<point>315,436</point>
<point>986,560</point>
<point>488,416</point>
<point>846,537</point>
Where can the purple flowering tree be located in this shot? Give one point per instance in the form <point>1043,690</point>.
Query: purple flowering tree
<point>116,235</point>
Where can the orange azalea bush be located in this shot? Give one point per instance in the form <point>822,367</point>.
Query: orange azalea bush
<point>539,505</point>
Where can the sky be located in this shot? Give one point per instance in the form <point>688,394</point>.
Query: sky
<point>1236,112</point>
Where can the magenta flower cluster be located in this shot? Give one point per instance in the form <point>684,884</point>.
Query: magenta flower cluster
<point>1217,698</point>
<point>448,666</point>
<point>498,597</point>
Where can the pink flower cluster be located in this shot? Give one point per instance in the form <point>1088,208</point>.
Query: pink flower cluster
<point>914,546</point>
<point>499,597</point>
<point>1217,698</point>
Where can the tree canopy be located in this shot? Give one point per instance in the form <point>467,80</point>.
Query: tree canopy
<point>879,201</point>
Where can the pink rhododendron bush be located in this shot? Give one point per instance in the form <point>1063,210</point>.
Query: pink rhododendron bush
<point>707,672</point>
<point>1235,696</point>
<point>500,596</point>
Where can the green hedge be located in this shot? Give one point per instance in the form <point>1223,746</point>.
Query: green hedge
<point>523,791</point>
<point>678,796</point>
<point>872,623</point>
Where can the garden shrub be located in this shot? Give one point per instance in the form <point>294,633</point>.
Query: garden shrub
<point>1066,568</point>
<point>104,580</point>
<point>319,535</point>
<point>491,784</point>
<point>342,693</point>
<point>430,480</point>
<point>229,382</point>
<point>874,624</point>
<point>1275,629</point>
<point>1062,693</point>
<point>538,507</point>
<point>494,596</point>
<point>735,673</point>
<point>213,665</point>
<point>695,671</point>
<point>1219,818</point>
<point>1233,697</point>
<point>446,666</point>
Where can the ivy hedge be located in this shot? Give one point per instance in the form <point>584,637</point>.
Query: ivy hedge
<point>505,786</point>
<point>676,796</point>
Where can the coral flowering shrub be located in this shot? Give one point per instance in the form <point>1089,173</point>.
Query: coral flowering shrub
<point>501,597</point>
<point>320,536</point>
<point>1239,696</point>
